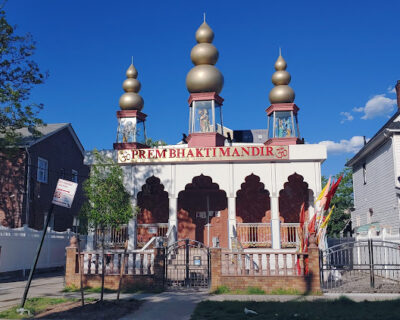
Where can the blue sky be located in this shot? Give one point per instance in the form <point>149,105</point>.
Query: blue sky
<point>343,57</point>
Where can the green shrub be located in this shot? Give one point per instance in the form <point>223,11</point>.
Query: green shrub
<point>222,290</point>
<point>254,290</point>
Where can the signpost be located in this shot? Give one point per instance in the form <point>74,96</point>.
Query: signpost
<point>63,196</point>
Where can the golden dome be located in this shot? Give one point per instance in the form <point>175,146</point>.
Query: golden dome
<point>204,33</point>
<point>204,53</point>
<point>131,100</point>
<point>281,93</point>
<point>204,77</point>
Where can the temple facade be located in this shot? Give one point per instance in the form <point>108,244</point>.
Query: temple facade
<point>211,187</point>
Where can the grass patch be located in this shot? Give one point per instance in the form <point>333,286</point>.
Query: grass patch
<point>342,308</point>
<point>131,289</point>
<point>289,291</point>
<point>222,290</point>
<point>35,306</point>
<point>249,290</point>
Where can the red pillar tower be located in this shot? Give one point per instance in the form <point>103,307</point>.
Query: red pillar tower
<point>204,82</point>
<point>283,127</point>
<point>131,133</point>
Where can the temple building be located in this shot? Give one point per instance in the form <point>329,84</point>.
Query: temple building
<point>224,188</point>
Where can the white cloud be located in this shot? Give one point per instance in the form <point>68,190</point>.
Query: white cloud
<point>392,90</point>
<point>344,146</point>
<point>347,117</point>
<point>377,106</point>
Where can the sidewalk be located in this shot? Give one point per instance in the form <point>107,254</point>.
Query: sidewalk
<point>169,305</point>
<point>50,286</point>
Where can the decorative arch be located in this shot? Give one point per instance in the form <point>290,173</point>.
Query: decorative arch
<point>192,201</point>
<point>253,201</point>
<point>153,202</point>
<point>295,191</point>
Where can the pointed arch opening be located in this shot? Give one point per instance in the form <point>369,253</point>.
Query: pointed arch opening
<point>202,212</point>
<point>152,219</point>
<point>253,213</point>
<point>295,192</point>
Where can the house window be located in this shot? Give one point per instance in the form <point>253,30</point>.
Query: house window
<point>74,176</point>
<point>365,173</point>
<point>42,170</point>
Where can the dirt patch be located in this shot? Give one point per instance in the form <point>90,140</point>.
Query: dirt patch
<point>92,310</point>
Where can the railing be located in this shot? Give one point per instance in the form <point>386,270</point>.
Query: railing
<point>262,264</point>
<point>252,235</point>
<point>136,262</point>
<point>147,231</point>
<point>113,237</point>
<point>289,235</point>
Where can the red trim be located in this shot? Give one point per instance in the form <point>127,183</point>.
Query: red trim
<point>131,114</point>
<point>129,145</point>
<point>282,107</point>
<point>201,96</point>
<point>282,141</point>
<point>205,139</point>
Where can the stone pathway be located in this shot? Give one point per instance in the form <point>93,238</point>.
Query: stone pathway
<point>169,305</point>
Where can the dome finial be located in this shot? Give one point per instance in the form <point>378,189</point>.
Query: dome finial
<point>204,77</point>
<point>281,93</point>
<point>131,100</point>
<point>204,17</point>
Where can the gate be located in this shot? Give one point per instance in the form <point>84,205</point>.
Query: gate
<point>361,266</point>
<point>187,265</point>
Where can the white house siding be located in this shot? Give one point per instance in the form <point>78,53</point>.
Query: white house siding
<point>379,192</point>
<point>396,154</point>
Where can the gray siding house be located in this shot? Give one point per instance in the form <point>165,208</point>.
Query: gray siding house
<point>376,179</point>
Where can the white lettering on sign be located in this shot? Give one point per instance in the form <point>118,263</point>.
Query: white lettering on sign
<point>65,193</point>
<point>210,154</point>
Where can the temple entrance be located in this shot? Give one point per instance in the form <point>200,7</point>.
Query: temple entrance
<point>187,265</point>
<point>203,213</point>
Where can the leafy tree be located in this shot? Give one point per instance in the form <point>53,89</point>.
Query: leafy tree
<point>155,143</point>
<point>18,76</point>
<point>343,201</point>
<point>108,203</point>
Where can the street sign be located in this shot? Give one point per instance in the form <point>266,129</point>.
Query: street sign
<point>65,193</point>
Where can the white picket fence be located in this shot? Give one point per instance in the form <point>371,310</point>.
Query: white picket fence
<point>18,247</point>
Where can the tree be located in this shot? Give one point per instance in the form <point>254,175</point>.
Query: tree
<point>108,203</point>
<point>18,76</point>
<point>343,201</point>
<point>155,143</point>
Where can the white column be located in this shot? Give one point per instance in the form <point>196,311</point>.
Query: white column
<point>173,216</point>
<point>275,224</point>
<point>231,219</point>
<point>90,240</point>
<point>132,242</point>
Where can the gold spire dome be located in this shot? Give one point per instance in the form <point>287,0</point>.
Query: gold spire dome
<point>131,100</point>
<point>204,77</point>
<point>281,93</point>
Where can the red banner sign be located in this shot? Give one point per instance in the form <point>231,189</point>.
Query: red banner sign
<point>236,153</point>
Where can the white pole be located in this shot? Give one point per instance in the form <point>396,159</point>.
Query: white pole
<point>208,221</point>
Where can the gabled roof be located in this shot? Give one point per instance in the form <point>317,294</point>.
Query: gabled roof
<point>28,139</point>
<point>390,126</point>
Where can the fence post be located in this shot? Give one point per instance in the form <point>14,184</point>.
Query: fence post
<point>187,283</point>
<point>371,262</point>
<point>313,265</point>
<point>159,267</point>
<point>215,268</point>
<point>321,268</point>
<point>70,265</point>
